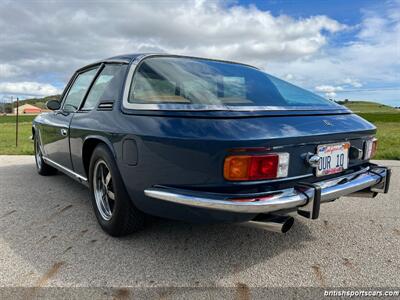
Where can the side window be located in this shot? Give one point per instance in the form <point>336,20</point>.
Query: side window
<point>78,90</point>
<point>101,84</point>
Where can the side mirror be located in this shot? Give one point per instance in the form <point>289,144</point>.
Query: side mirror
<point>53,105</point>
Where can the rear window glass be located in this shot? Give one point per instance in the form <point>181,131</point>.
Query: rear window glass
<point>187,81</point>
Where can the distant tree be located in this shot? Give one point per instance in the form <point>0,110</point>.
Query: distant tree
<point>8,109</point>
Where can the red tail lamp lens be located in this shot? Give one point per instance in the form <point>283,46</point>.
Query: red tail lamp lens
<point>264,167</point>
<point>252,167</point>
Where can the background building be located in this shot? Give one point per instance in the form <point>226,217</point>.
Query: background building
<point>27,109</point>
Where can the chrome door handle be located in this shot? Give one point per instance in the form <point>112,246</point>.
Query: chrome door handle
<point>64,132</point>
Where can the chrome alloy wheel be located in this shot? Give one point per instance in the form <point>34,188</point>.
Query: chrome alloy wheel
<point>38,154</point>
<point>103,190</point>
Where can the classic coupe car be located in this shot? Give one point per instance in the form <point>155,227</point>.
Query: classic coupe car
<point>203,140</point>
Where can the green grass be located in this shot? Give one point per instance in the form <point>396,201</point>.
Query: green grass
<point>388,140</point>
<point>11,119</point>
<point>387,121</point>
<point>381,117</point>
<point>7,138</point>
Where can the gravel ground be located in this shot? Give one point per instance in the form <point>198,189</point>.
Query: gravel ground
<point>49,237</point>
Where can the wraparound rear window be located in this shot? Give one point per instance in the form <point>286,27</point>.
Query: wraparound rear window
<point>181,82</point>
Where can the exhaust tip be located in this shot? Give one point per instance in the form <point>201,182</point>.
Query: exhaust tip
<point>287,225</point>
<point>271,222</point>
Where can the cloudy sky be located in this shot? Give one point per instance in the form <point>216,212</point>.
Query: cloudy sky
<point>339,49</point>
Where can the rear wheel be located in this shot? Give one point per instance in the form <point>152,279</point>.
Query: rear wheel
<point>114,210</point>
<point>41,166</point>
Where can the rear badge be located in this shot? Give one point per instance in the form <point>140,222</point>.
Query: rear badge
<point>327,123</point>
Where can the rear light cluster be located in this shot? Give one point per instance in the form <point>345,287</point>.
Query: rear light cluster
<point>256,167</point>
<point>370,148</point>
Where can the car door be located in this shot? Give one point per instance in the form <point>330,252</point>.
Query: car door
<point>92,120</point>
<point>55,133</point>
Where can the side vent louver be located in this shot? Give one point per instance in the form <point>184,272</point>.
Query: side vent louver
<point>105,105</point>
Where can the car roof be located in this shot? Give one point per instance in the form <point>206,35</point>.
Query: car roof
<point>125,57</point>
<point>128,58</point>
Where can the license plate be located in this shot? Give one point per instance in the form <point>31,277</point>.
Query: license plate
<point>334,158</point>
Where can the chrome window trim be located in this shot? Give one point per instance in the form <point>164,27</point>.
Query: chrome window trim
<point>202,107</point>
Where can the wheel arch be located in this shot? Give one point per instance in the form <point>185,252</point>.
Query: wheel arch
<point>89,144</point>
<point>33,131</point>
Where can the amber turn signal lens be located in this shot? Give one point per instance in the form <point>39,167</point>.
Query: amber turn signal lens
<point>236,167</point>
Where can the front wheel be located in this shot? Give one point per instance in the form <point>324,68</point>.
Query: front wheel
<point>114,210</point>
<point>41,167</point>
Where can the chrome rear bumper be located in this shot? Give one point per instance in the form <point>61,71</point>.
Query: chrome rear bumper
<point>304,196</point>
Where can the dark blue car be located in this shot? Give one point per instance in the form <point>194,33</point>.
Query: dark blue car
<point>203,140</point>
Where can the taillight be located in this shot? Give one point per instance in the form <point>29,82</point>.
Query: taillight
<point>370,148</point>
<point>256,167</point>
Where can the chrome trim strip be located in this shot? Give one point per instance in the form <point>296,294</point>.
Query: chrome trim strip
<point>128,81</point>
<point>116,61</point>
<point>284,199</point>
<point>203,107</point>
<point>64,169</point>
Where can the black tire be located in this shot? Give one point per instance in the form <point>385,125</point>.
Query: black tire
<point>125,218</point>
<point>41,167</point>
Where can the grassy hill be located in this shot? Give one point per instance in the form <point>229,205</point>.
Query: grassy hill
<point>374,112</point>
<point>387,120</point>
<point>368,107</point>
<point>39,102</point>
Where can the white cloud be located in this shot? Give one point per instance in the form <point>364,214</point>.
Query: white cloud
<point>330,95</point>
<point>8,70</point>
<point>372,57</point>
<point>352,82</point>
<point>28,88</point>
<point>52,39</point>
<point>288,76</point>
<point>61,36</point>
<point>329,90</point>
